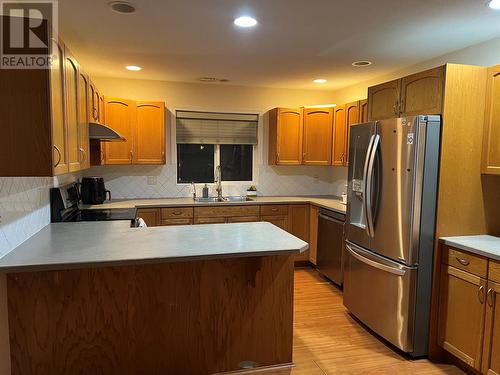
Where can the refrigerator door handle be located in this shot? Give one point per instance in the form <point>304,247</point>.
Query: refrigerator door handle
<point>394,270</point>
<point>365,181</point>
<point>369,186</point>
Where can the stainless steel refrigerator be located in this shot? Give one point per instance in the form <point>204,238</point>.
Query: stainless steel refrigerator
<point>392,189</point>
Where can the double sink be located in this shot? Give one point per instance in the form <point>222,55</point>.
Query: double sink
<point>223,199</point>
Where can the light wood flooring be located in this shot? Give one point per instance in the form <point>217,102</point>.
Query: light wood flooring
<point>327,340</point>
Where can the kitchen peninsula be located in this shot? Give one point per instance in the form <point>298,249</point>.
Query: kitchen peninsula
<point>106,298</point>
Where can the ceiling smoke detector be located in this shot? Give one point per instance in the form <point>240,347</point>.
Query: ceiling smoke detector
<point>122,7</point>
<point>362,63</point>
<point>212,79</point>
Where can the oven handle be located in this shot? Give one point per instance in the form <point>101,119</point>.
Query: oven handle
<point>372,263</point>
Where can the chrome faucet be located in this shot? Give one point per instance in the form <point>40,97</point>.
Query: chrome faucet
<point>218,181</point>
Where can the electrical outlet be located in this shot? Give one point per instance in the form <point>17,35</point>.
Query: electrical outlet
<point>152,180</point>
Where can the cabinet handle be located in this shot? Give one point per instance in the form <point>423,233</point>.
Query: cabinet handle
<point>490,297</point>
<point>480,294</point>
<point>463,262</point>
<point>395,107</point>
<point>131,155</point>
<point>177,212</point>
<point>83,155</point>
<point>95,114</point>
<point>59,156</point>
<point>274,209</point>
<point>402,106</point>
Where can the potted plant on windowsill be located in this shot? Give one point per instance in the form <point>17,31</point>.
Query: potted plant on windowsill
<point>252,191</point>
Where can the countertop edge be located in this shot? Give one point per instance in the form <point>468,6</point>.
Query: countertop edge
<point>451,241</point>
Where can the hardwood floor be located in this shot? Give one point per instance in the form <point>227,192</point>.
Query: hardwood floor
<point>327,340</point>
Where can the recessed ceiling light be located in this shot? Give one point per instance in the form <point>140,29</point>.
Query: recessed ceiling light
<point>494,4</point>
<point>245,21</point>
<point>123,7</point>
<point>134,68</point>
<point>320,80</point>
<point>361,63</point>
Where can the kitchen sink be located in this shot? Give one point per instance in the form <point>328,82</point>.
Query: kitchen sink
<point>223,199</point>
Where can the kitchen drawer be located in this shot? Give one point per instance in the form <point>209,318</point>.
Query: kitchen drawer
<point>209,220</point>
<point>494,271</point>
<point>184,221</point>
<point>465,261</point>
<point>243,219</point>
<point>274,209</point>
<point>176,212</point>
<point>226,211</point>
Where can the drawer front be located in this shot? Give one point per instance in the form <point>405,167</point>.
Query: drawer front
<point>243,219</point>
<point>177,222</point>
<point>176,212</point>
<point>465,261</point>
<point>227,211</point>
<point>274,209</point>
<point>209,220</point>
<point>494,272</point>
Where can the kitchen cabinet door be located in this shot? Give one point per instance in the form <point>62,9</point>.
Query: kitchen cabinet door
<point>72,116</point>
<point>83,120</point>
<point>150,215</point>
<point>317,142</point>
<point>422,93</point>
<point>461,314</point>
<point>352,117</point>
<point>285,136</point>
<point>383,100</point>
<point>92,103</point>
<point>363,110</point>
<point>58,102</point>
<point>279,221</point>
<point>313,235</point>
<point>149,144</point>
<point>491,135</point>
<point>299,217</point>
<point>101,110</point>
<point>167,222</point>
<point>491,346</point>
<point>339,135</point>
<point>243,219</point>
<point>120,115</point>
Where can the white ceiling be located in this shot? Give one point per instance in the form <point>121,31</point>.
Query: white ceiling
<point>294,42</point>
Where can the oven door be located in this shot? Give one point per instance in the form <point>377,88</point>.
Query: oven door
<point>381,293</point>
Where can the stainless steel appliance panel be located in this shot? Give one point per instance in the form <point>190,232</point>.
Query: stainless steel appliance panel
<point>331,245</point>
<point>381,294</point>
<point>391,192</point>
<point>361,140</point>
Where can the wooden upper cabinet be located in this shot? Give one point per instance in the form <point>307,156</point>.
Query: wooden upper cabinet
<point>317,142</point>
<point>422,93</point>
<point>121,117</point>
<point>363,110</point>
<point>352,117</point>
<point>149,143</point>
<point>83,120</point>
<point>461,317</point>
<point>101,111</point>
<point>71,85</point>
<point>383,100</point>
<point>285,136</point>
<point>491,345</point>
<point>58,104</point>
<point>339,135</point>
<point>491,140</point>
<point>93,103</point>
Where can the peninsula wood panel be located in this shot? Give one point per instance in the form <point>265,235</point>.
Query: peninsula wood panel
<point>149,141</point>
<point>299,221</point>
<point>422,93</point>
<point>383,100</point>
<point>339,135</point>
<point>197,317</point>
<point>317,142</point>
<point>285,136</point>
<point>121,117</point>
<point>491,347</point>
<point>491,141</point>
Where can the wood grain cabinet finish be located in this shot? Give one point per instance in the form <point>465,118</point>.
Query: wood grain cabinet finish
<point>150,215</point>
<point>363,110</point>
<point>165,222</point>
<point>72,106</point>
<point>299,220</point>
<point>227,211</point>
<point>471,263</point>
<point>491,346</point>
<point>210,220</point>
<point>274,210</point>
<point>285,136</point>
<point>339,135</point>
<point>383,100</point>
<point>83,120</point>
<point>177,212</point>
<point>491,135</point>
<point>461,308</point>
<point>352,117</point>
<point>318,129</point>
<point>313,234</point>
<point>422,93</point>
<point>142,124</point>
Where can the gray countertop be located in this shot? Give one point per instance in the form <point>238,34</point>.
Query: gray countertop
<point>488,246</point>
<point>84,244</point>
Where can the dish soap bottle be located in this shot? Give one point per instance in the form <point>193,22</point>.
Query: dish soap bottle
<point>205,191</point>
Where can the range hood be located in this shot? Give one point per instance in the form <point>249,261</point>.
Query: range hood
<point>103,133</point>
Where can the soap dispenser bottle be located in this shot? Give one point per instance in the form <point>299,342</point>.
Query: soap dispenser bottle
<point>205,191</point>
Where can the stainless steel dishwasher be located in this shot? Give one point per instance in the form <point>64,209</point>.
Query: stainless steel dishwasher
<point>331,245</point>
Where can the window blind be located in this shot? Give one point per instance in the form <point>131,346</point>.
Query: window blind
<point>216,128</point>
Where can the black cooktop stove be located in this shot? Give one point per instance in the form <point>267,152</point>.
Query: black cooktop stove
<point>105,214</point>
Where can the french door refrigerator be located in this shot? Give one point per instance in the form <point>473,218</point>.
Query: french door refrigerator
<point>392,188</point>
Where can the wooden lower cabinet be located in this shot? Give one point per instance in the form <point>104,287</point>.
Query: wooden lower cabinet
<point>299,226</point>
<point>150,215</point>
<point>461,315</point>
<point>165,222</point>
<point>209,220</point>
<point>491,345</point>
<point>313,234</point>
<point>279,221</point>
<point>243,219</point>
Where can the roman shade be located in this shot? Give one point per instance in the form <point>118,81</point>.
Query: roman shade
<point>216,128</point>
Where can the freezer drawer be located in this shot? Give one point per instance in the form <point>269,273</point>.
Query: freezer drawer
<point>381,293</point>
